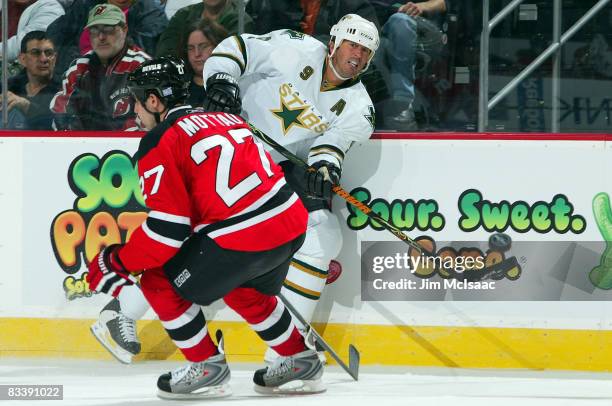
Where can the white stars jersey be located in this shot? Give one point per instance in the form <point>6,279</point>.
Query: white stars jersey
<point>280,76</point>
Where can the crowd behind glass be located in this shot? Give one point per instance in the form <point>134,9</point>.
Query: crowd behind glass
<point>66,59</point>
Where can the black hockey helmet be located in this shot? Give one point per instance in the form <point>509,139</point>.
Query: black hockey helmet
<point>163,76</point>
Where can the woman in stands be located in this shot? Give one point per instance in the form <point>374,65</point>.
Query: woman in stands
<point>202,38</point>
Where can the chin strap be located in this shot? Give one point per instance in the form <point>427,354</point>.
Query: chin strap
<point>331,65</point>
<point>155,114</point>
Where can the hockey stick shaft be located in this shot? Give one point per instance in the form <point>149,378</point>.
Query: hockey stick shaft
<point>340,191</point>
<point>352,368</point>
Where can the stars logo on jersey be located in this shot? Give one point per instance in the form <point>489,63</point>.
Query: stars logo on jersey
<point>294,34</point>
<point>289,116</point>
<point>371,117</point>
<point>295,110</point>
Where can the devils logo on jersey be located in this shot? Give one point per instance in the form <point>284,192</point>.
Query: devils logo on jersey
<point>122,106</point>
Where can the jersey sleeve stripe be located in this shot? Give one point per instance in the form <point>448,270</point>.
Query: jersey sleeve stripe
<point>167,229</point>
<point>242,47</point>
<point>170,217</point>
<point>232,57</point>
<point>326,157</point>
<point>175,243</point>
<point>111,281</point>
<point>327,149</point>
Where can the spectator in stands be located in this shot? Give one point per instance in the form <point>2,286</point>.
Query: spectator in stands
<point>31,90</point>
<point>25,16</point>
<point>272,15</point>
<point>313,17</point>
<point>172,6</point>
<point>225,12</point>
<point>94,95</point>
<point>145,19</point>
<point>399,42</point>
<point>202,38</point>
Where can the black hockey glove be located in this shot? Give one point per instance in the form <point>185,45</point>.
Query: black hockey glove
<point>223,94</point>
<point>320,178</point>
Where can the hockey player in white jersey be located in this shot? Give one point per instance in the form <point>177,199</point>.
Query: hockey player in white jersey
<point>307,97</point>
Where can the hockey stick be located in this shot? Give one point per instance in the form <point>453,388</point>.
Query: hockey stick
<point>340,191</point>
<point>353,366</point>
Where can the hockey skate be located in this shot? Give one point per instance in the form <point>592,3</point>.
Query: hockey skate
<point>205,379</point>
<point>297,374</point>
<point>116,332</point>
<point>270,355</point>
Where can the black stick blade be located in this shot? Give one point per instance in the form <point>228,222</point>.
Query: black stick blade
<point>354,362</point>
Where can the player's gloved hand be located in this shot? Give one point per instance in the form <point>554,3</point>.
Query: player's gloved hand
<point>107,274</point>
<point>222,94</point>
<point>320,178</point>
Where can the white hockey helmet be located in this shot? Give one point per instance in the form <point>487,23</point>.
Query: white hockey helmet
<point>355,28</point>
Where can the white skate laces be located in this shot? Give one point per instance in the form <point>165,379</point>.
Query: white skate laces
<point>203,379</point>
<point>117,332</point>
<point>127,328</point>
<point>188,372</point>
<point>281,366</point>
<point>298,373</point>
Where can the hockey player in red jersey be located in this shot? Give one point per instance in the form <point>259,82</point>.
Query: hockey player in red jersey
<point>279,75</point>
<point>223,223</point>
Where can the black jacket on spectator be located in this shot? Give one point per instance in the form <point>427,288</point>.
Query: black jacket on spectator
<point>146,20</point>
<point>39,116</point>
<point>270,15</point>
<point>95,97</point>
<point>197,95</point>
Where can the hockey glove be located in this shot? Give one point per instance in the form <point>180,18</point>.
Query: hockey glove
<point>107,274</point>
<point>222,94</point>
<point>320,178</point>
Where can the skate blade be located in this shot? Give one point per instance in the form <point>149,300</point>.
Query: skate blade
<point>102,334</point>
<point>297,387</point>
<point>212,392</point>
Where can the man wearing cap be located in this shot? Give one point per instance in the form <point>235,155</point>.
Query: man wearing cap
<point>94,95</point>
<point>145,19</point>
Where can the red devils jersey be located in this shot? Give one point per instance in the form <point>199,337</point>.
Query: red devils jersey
<point>205,172</point>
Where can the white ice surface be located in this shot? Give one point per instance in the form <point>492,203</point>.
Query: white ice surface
<point>108,383</point>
